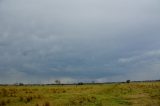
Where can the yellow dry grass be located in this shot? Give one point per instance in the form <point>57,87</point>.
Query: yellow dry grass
<point>119,94</point>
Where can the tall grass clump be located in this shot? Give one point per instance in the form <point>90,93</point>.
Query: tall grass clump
<point>4,92</point>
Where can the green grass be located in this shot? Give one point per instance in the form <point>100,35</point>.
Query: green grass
<point>132,94</point>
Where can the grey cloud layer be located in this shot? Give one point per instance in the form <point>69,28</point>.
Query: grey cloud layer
<point>87,39</point>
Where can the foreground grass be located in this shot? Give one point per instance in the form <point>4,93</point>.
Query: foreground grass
<point>136,94</point>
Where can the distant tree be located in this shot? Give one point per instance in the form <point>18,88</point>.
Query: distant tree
<point>21,84</point>
<point>80,83</point>
<point>128,81</point>
<point>93,82</point>
<point>57,81</point>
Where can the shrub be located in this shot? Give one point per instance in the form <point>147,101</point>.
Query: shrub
<point>2,103</point>
<point>8,101</point>
<point>37,104</point>
<point>21,98</point>
<point>28,99</point>
<point>39,96</point>
<point>46,104</point>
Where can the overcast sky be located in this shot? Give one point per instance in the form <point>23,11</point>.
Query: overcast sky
<point>79,40</point>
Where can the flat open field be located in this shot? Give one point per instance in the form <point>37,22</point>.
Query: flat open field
<point>124,94</point>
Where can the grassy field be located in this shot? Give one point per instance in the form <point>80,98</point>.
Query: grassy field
<point>124,94</point>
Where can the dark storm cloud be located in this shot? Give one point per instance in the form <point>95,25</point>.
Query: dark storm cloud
<point>73,40</point>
